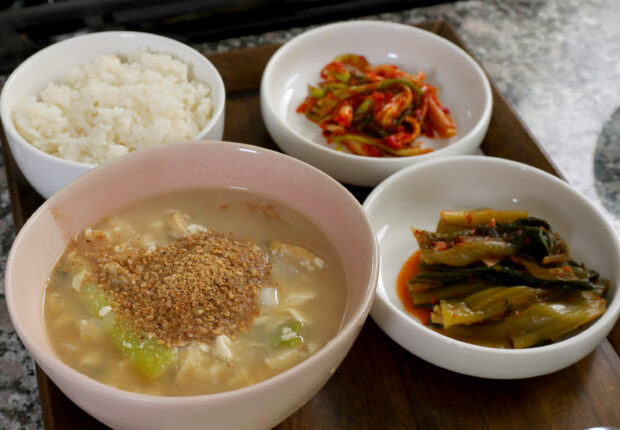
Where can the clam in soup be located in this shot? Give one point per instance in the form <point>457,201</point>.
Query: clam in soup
<point>195,292</point>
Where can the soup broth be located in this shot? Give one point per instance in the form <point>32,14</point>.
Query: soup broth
<point>279,301</point>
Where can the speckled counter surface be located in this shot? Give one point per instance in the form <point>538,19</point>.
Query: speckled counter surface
<point>557,62</point>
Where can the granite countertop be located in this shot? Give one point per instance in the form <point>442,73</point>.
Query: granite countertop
<point>556,61</point>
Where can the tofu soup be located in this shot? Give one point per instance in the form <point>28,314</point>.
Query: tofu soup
<point>195,292</point>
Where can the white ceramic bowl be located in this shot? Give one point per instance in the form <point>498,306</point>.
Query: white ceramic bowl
<point>175,167</point>
<point>48,173</point>
<point>414,197</point>
<point>462,85</point>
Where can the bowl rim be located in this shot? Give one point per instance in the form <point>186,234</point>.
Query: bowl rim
<point>608,317</point>
<point>346,330</point>
<point>7,118</point>
<point>290,45</point>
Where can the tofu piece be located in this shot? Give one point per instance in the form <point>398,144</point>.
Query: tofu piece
<point>77,280</point>
<point>268,297</point>
<point>222,348</point>
<point>104,310</point>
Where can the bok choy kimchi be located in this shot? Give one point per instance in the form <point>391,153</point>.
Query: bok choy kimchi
<point>501,279</point>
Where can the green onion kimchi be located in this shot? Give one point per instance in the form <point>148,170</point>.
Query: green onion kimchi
<point>501,279</point>
<point>376,111</point>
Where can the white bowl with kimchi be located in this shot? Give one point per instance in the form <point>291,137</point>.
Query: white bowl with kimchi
<point>540,311</point>
<point>361,100</point>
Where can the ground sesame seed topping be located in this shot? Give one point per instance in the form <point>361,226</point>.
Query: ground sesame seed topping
<point>194,289</point>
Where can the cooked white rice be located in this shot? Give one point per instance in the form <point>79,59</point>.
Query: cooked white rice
<point>109,107</point>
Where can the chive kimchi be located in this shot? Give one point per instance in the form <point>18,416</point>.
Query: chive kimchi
<point>376,111</point>
<point>502,279</point>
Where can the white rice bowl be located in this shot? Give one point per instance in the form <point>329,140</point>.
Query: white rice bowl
<point>111,106</point>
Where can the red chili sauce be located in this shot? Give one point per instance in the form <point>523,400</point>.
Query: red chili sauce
<point>409,269</point>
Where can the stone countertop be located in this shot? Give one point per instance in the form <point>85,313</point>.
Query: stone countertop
<point>556,61</point>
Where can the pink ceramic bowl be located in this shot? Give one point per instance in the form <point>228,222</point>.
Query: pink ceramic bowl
<point>174,167</point>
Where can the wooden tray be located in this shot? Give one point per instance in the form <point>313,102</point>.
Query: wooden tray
<point>380,384</point>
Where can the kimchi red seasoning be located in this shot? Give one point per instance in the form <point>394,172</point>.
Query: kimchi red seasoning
<point>408,271</point>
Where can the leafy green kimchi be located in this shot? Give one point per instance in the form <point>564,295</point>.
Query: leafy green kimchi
<point>502,279</point>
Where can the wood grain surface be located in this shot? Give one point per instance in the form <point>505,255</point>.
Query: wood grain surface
<point>379,384</point>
